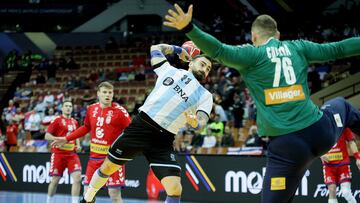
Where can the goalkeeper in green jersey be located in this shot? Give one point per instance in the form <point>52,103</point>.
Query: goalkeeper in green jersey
<point>276,74</point>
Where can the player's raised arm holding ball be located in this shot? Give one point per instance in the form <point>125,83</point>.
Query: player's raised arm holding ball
<point>275,72</point>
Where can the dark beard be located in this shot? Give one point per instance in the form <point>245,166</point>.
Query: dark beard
<point>199,75</point>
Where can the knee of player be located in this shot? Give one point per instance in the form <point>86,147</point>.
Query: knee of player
<point>332,187</point>
<point>115,194</point>
<point>332,191</point>
<point>108,167</point>
<point>173,188</point>
<point>55,180</point>
<point>76,177</point>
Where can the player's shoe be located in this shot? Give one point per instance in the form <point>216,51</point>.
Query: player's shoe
<point>84,201</point>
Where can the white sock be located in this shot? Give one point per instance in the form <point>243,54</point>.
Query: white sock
<point>351,199</point>
<point>48,199</point>
<point>346,192</point>
<point>332,201</point>
<point>97,181</point>
<point>75,199</point>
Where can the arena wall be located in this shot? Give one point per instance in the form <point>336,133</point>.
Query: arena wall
<point>211,179</point>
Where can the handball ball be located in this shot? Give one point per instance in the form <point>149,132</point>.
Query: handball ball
<point>191,48</point>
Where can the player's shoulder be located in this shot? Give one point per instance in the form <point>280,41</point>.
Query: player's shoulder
<point>247,45</point>
<point>347,131</point>
<point>55,119</point>
<point>208,95</point>
<point>117,107</point>
<point>294,45</point>
<point>296,42</point>
<point>348,134</point>
<point>166,65</point>
<point>94,105</point>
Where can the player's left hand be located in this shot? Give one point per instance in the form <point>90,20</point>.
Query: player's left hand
<point>178,19</point>
<point>184,56</point>
<point>191,119</point>
<point>358,163</point>
<point>59,141</point>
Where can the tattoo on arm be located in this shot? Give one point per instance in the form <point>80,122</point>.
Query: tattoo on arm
<point>158,53</point>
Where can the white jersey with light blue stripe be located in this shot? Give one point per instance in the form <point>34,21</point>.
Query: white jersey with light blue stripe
<point>176,91</point>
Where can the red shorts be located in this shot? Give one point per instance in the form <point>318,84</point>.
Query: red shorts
<point>116,180</point>
<point>60,161</point>
<point>337,174</point>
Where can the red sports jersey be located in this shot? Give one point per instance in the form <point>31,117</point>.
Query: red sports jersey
<point>338,155</point>
<point>105,125</point>
<point>61,127</point>
<point>11,134</point>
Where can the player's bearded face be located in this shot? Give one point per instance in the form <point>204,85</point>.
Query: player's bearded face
<point>105,95</point>
<point>200,68</point>
<point>199,75</point>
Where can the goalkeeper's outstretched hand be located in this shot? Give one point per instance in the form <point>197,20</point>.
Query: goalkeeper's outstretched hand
<point>178,19</point>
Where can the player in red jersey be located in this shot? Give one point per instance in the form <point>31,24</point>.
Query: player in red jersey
<point>105,121</point>
<point>336,166</point>
<point>65,156</point>
<point>11,134</point>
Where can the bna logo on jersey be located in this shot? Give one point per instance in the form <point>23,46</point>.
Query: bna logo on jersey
<point>168,81</point>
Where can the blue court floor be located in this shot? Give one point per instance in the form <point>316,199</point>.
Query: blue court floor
<point>26,197</point>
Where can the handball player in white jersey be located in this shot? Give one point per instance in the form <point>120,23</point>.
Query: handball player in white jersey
<point>177,98</point>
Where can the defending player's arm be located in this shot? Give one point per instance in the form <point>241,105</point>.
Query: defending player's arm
<point>315,52</point>
<point>239,57</point>
<point>159,51</point>
<point>124,117</point>
<point>49,136</point>
<point>197,121</point>
<point>355,151</point>
<point>80,132</point>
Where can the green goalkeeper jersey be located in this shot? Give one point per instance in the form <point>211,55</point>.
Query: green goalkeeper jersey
<point>276,75</point>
